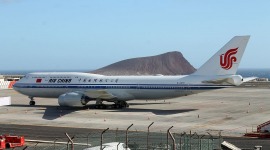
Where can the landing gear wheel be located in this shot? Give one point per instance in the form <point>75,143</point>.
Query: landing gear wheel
<point>32,103</point>
<point>116,106</point>
<point>103,106</point>
<point>100,106</point>
<point>121,104</point>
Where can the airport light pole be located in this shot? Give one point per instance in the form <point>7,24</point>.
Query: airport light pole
<point>101,138</point>
<point>148,134</point>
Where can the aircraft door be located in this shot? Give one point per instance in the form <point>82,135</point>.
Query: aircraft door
<point>138,88</point>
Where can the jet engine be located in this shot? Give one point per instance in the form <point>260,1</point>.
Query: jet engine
<point>73,99</point>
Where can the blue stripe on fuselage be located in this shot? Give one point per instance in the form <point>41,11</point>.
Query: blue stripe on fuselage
<point>123,86</point>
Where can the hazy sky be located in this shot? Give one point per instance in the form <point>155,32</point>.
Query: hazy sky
<point>89,34</point>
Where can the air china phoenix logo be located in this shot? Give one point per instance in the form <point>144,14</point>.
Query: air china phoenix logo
<point>227,59</point>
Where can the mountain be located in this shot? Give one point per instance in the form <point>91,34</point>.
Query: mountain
<point>171,63</point>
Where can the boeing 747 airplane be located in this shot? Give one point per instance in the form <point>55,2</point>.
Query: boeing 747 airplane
<point>77,89</point>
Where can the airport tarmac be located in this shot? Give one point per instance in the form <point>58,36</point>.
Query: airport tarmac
<point>233,111</point>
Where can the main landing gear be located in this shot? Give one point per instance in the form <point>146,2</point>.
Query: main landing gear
<point>116,105</point>
<point>120,104</point>
<point>32,102</point>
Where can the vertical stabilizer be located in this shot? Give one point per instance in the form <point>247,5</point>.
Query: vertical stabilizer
<point>227,59</point>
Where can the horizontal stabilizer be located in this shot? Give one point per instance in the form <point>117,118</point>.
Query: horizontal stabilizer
<point>249,79</point>
<point>231,80</point>
<point>217,81</point>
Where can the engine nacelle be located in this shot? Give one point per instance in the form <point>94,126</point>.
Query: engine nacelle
<point>72,99</point>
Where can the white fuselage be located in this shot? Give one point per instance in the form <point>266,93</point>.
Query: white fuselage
<point>52,85</point>
<point>77,89</point>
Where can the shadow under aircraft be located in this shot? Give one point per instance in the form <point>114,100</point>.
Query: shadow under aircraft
<point>55,112</point>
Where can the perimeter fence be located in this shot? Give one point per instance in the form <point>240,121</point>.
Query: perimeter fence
<point>137,140</point>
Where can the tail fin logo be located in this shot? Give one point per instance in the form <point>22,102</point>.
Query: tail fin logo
<point>227,59</point>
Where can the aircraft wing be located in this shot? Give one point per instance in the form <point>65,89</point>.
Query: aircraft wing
<point>249,79</point>
<point>99,94</point>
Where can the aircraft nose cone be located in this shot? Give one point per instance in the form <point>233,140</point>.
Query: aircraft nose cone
<point>16,88</point>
